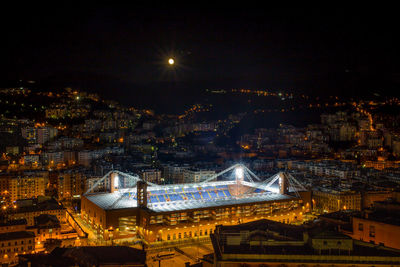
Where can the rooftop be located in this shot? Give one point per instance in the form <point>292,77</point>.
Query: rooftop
<point>196,204</point>
<point>292,231</point>
<point>14,222</point>
<point>284,252</point>
<point>88,256</point>
<point>16,235</point>
<point>343,216</point>
<point>125,198</point>
<point>36,205</point>
<point>206,194</point>
<point>383,216</point>
<point>111,201</point>
<point>104,255</point>
<point>47,219</point>
<point>269,241</point>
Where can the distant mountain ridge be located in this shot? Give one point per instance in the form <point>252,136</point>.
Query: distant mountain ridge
<point>175,96</point>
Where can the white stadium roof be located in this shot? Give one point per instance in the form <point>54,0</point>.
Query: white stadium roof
<point>106,201</point>
<point>265,191</point>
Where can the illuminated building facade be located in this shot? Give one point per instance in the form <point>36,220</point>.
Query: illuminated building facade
<point>70,184</point>
<point>14,243</point>
<point>31,186</point>
<point>331,200</point>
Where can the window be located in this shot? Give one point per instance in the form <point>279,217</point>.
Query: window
<point>360,227</point>
<point>372,231</point>
<point>179,235</point>
<point>325,243</point>
<point>168,237</point>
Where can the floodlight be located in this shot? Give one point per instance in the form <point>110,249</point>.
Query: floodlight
<point>116,181</point>
<point>239,173</point>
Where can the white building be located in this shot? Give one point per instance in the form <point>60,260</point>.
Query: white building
<point>151,175</point>
<point>196,175</point>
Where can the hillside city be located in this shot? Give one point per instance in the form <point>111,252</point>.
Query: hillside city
<point>58,146</point>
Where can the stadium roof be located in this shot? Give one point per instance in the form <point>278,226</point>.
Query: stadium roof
<point>197,204</point>
<point>180,197</point>
<point>106,201</point>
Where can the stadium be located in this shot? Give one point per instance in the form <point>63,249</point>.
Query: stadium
<point>177,211</point>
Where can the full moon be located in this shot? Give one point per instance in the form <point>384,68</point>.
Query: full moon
<point>171,61</point>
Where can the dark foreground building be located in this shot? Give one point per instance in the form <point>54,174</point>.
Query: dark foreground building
<point>270,243</point>
<point>87,256</point>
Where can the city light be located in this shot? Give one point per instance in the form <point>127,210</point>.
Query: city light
<point>171,61</point>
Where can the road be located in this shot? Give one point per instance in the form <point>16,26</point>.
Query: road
<point>93,238</point>
<point>177,261</point>
<point>190,254</point>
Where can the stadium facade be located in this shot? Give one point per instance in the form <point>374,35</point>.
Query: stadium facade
<point>178,211</point>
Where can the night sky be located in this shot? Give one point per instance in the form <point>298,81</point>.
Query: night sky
<point>317,49</point>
